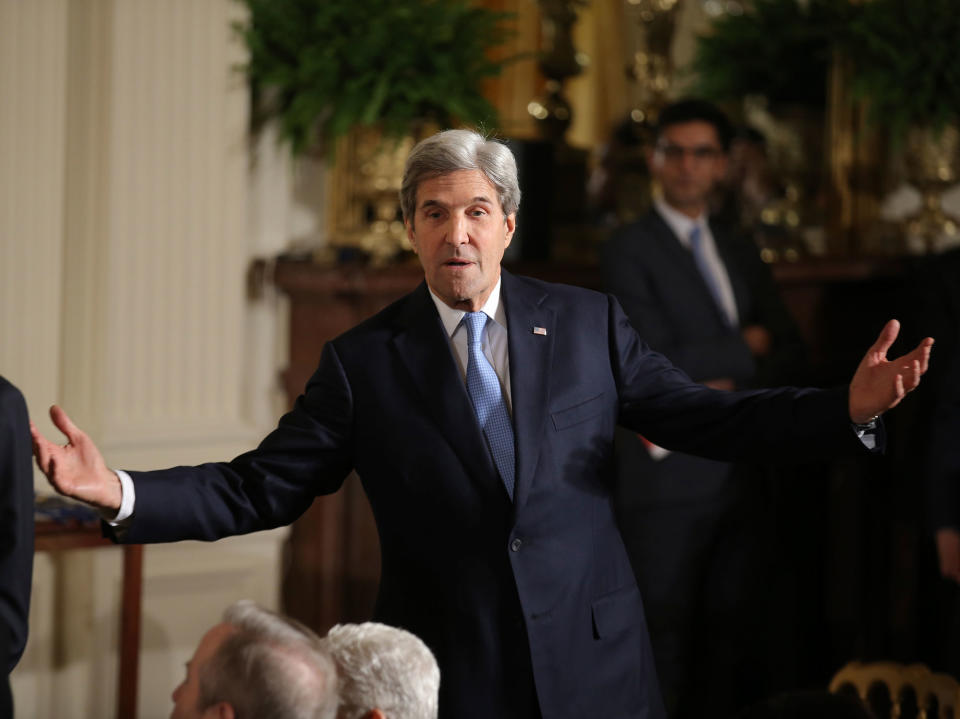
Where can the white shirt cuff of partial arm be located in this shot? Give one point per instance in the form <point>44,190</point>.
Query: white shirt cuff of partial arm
<point>127,497</point>
<point>867,433</point>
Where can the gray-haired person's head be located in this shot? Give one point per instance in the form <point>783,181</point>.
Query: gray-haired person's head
<point>453,150</point>
<point>270,666</point>
<point>383,668</point>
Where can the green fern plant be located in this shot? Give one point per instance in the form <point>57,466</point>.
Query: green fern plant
<point>906,63</point>
<point>320,67</point>
<point>780,49</point>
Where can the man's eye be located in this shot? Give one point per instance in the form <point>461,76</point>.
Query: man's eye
<point>478,213</point>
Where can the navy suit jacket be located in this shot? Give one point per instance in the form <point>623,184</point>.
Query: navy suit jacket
<point>667,300</point>
<point>938,410</point>
<point>16,532</point>
<point>533,595</point>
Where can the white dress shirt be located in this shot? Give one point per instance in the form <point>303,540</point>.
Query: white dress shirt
<point>494,338</point>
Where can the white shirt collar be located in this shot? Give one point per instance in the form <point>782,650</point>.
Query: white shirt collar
<point>680,223</point>
<point>451,318</point>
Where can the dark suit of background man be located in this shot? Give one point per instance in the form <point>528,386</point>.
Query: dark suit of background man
<point>691,524</point>
<point>935,436</point>
<point>499,544</point>
<point>16,533</point>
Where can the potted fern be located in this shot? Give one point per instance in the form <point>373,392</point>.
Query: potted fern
<point>906,63</point>
<point>770,64</point>
<point>322,67</point>
<point>357,82</point>
<point>779,49</point>
<point>906,66</point>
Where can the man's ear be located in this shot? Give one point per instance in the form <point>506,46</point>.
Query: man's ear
<point>220,710</point>
<point>650,155</point>
<point>411,235</point>
<point>511,222</point>
<point>720,168</point>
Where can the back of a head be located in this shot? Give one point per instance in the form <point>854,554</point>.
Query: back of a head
<point>383,668</point>
<point>271,666</point>
<point>695,110</point>
<point>453,150</point>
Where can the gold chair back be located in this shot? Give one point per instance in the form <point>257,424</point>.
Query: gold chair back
<point>937,695</point>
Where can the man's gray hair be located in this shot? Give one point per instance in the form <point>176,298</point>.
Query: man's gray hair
<point>383,668</point>
<point>453,150</point>
<point>270,666</point>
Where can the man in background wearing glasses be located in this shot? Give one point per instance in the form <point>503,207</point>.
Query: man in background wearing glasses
<point>699,294</point>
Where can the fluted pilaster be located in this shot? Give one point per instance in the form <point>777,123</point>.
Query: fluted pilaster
<point>123,246</point>
<point>32,159</point>
<point>156,234</point>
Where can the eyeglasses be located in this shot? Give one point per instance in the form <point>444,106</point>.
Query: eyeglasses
<point>675,153</point>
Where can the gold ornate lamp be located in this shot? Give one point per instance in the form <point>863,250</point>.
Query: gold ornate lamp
<point>559,62</point>
<point>650,66</point>
<point>363,208</point>
<point>932,165</point>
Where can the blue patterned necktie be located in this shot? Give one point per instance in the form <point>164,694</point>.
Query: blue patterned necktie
<point>700,258</point>
<point>483,387</point>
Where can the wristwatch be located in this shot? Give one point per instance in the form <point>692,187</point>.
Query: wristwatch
<point>867,426</point>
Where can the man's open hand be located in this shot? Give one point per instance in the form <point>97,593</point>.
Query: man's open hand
<point>879,384</point>
<point>76,469</point>
<point>948,552</point>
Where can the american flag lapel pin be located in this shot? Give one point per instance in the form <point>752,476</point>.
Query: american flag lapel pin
<point>540,331</point>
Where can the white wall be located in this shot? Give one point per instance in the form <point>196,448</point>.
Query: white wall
<point>125,232</point>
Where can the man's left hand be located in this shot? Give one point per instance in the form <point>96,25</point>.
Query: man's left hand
<point>758,339</point>
<point>879,384</point>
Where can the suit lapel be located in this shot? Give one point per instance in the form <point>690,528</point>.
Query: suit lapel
<point>684,259</point>
<point>530,361</point>
<point>675,249</point>
<point>424,348</point>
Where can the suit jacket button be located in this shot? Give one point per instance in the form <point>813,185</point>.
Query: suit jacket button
<point>516,544</point>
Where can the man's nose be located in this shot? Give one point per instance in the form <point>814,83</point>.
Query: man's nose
<point>457,233</point>
<point>688,160</point>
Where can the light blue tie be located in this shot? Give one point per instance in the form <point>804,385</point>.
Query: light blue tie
<point>700,257</point>
<point>483,387</point>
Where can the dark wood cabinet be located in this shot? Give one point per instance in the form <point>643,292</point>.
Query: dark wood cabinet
<point>332,557</point>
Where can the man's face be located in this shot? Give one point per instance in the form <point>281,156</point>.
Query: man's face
<point>186,696</point>
<point>460,233</point>
<point>688,161</point>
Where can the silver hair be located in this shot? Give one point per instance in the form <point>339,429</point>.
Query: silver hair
<point>383,668</point>
<point>270,666</point>
<point>453,150</point>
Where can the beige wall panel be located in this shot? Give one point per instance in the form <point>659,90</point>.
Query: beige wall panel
<point>123,246</point>
<point>177,157</point>
<point>32,117</point>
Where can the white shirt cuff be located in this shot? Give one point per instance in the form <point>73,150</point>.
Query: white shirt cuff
<point>127,498</point>
<point>867,433</point>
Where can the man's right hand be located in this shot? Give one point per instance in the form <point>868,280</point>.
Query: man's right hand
<point>948,552</point>
<point>758,339</point>
<point>76,469</point>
